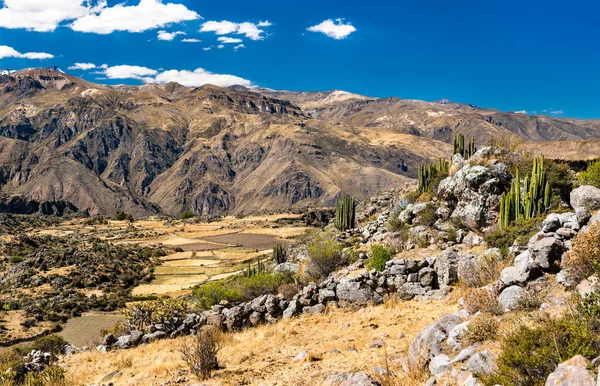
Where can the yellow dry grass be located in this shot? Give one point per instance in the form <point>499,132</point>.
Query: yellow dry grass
<point>339,341</point>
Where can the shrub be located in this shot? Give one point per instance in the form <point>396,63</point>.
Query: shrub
<point>54,344</point>
<point>481,328</point>
<point>240,288</point>
<point>394,224</point>
<point>520,230</point>
<point>325,255</point>
<point>141,315</point>
<point>484,300</point>
<point>531,353</point>
<point>379,256</point>
<point>591,176</point>
<point>122,216</point>
<point>529,301</point>
<point>187,214</point>
<point>427,217</point>
<point>200,354</point>
<point>584,258</point>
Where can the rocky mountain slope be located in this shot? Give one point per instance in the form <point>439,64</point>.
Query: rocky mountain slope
<point>68,143</point>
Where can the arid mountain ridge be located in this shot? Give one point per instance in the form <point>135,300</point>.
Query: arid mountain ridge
<point>66,143</point>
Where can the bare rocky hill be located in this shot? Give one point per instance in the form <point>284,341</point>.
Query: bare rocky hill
<point>168,148</point>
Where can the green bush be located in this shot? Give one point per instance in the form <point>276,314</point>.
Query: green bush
<point>591,176</point>
<point>325,255</point>
<point>427,217</point>
<point>379,256</point>
<point>54,344</point>
<point>240,288</point>
<point>531,353</point>
<point>520,231</point>
<point>187,214</point>
<point>122,216</point>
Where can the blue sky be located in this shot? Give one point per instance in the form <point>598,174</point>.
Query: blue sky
<point>533,56</point>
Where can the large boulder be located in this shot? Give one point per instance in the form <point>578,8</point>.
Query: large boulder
<point>482,363</point>
<point>585,198</point>
<point>446,268</point>
<point>473,193</point>
<point>546,253</point>
<point>353,293</point>
<point>427,343</point>
<point>509,298</point>
<point>573,372</point>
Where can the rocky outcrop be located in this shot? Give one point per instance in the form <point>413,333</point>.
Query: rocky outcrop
<point>572,372</point>
<point>472,194</point>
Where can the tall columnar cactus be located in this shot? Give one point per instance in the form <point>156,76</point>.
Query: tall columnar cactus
<point>534,199</point>
<point>460,148</point>
<point>429,172</point>
<point>345,217</point>
<point>279,254</point>
<point>253,271</point>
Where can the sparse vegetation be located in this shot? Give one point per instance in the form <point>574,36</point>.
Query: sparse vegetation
<point>520,231</point>
<point>200,353</point>
<point>325,254</point>
<point>187,214</point>
<point>431,175</point>
<point>481,328</point>
<point>530,352</point>
<point>122,216</point>
<point>591,175</point>
<point>379,256</point>
<point>484,300</point>
<point>584,258</point>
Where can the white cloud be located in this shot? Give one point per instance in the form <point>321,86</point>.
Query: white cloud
<point>334,29</point>
<point>557,112</point>
<point>82,66</point>
<point>207,48</point>
<point>191,40</point>
<point>521,112</point>
<point>45,15</point>
<point>228,40</point>
<point>220,46</point>
<point>187,78</point>
<point>91,15</point>
<point>224,27</point>
<point>9,52</point>
<point>148,14</point>
<point>238,47</point>
<point>168,36</point>
<point>130,72</point>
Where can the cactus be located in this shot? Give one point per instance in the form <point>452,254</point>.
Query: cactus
<point>427,173</point>
<point>279,255</point>
<point>532,200</point>
<point>460,148</point>
<point>345,216</point>
<point>253,271</point>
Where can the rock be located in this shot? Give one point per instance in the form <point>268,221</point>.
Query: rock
<point>551,223</point>
<point>482,363</point>
<point>573,373</point>
<point>585,198</point>
<point>287,267</point>
<point>313,310</point>
<point>546,253</point>
<point>513,276</point>
<point>354,293</point>
<point>439,364</point>
<point>350,379</point>
<point>428,340</point>
<point>407,291</point>
<point>456,333</point>
<point>154,336</point>
<point>294,308</point>
<point>566,279</point>
<point>509,298</point>
<point>587,286</point>
<point>446,268</point>
<point>303,356</point>
<point>427,277</point>
<point>109,340</point>
<point>377,344</point>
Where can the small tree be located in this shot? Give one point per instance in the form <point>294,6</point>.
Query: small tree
<point>379,256</point>
<point>200,353</point>
<point>591,176</point>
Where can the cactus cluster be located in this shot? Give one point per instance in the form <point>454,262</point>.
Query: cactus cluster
<point>427,173</point>
<point>530,200</point>
<point>460,148</point>
<point>279,255</point>
<point>345,216</point>
<point>253,271</point>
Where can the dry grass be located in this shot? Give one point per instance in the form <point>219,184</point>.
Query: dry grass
<point>265,355</point>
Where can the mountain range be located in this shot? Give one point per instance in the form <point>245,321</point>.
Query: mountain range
<point>69,144</point>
